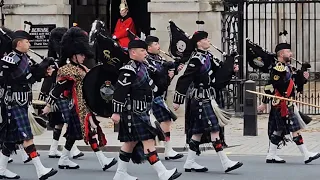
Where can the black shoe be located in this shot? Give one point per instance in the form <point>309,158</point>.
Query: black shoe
<point>68,167</point>
<point>175,175</point>
<point>275,161</point>
<point>78,155</point>
<point>178,156</point>
<point>49,174</point>
<point>113,162</point>
<point>204,169</point>
<point>239,164</point>
<point>5,177</point>
<point>312,158</point>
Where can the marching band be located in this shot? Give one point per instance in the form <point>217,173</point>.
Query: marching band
<point>132,80</point>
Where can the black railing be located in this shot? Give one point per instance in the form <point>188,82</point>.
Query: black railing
<point>232,38</point>
<point>264,20</point>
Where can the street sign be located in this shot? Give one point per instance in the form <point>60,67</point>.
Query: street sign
<point>40,34</point>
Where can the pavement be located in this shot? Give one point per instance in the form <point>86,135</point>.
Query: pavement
<point>254,168</point>
<point>240,145</point>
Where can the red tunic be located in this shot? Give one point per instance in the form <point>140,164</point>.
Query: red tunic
<point>120,31</point>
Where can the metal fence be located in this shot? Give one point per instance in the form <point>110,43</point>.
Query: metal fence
<point>262,21</point>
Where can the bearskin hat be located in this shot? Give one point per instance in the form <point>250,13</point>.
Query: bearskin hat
<point>75,41</point>
<point>55,39</point>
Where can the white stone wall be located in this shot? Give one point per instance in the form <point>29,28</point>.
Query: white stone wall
<point>38,12</point>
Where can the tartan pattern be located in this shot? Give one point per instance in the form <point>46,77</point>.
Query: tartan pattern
<point>17,129</point>
<point>141,128</point>
<point>22,68</point>
<point>70,116</point>
<point>200,126</point>
<point>277,123</point>
<point>159,110</point>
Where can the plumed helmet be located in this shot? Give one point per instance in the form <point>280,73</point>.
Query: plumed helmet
<point>75,41</point>
<point>55,39</point>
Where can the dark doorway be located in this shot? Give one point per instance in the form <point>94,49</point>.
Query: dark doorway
<point>84,12</point>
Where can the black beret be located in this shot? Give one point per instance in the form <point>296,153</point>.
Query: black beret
<point>151,39</point>
<point>281,46</point>
<point>198,36</point>
<point>137,44</point>
<point>21,34</point>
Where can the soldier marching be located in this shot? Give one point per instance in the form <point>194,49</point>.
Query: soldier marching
<point>139,90</point>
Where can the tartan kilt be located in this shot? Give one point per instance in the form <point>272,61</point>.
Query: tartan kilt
<point>159,110</point>
<point>141,128</point>
<point>200,126</point>
<point>17,129</point>
<point>286,125</point>
<point>70,116</point>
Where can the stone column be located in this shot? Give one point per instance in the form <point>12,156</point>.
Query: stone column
<point>185,13</point>
<point>38,12</point>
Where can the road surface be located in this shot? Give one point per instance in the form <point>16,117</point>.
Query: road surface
<point>254,168</point>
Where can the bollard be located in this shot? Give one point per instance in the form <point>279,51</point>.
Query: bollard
<point>250,110</point>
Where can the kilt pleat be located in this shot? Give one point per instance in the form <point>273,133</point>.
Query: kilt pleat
<point>17,129</point>
<point>141,128</point>
<point>70,116</point>
<point>286,125</point>
<point>159,110</point>
<point>208,121</point>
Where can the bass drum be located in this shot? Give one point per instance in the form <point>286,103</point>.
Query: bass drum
<point>98,88</point>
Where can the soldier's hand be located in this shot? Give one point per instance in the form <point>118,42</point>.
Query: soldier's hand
<point>180,67</point>
<point>262,108</point>
<point>170,74</point>
<point>50,70</point>
<point>236,68</point>
<point>115,118</point>
<point>306,75</point>
<point>46,110</point>
<point>176,106</point>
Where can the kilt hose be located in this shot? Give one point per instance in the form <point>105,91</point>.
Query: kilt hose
<point>160,110</point>
<point>70,116</point>
<point>17,129</point>
<point>278,123</point>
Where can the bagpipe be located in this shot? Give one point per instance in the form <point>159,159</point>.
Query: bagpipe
<point>259,58</point>
<point>181,47</point>
<point>98,83</point>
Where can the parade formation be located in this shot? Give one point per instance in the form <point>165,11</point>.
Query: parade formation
<point>129,83</point>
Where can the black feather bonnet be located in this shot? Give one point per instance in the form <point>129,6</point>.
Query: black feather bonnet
<point>75,41</point>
